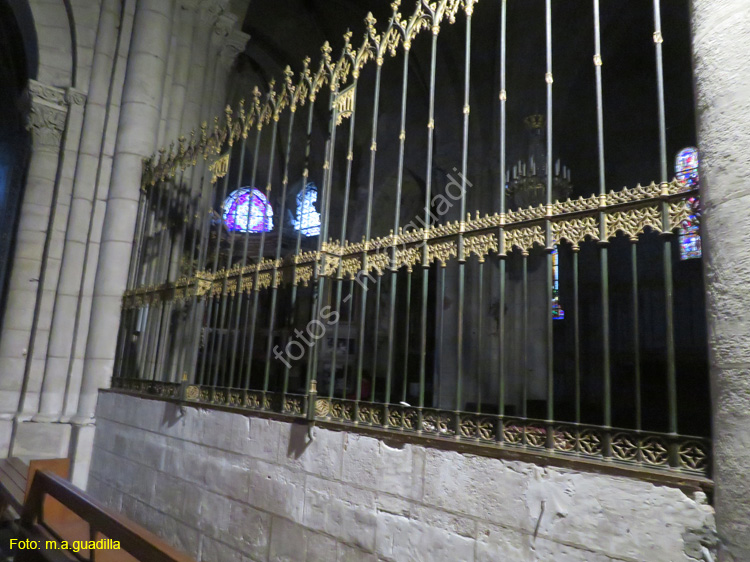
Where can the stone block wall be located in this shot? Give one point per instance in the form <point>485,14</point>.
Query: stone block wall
<point>228,487</point>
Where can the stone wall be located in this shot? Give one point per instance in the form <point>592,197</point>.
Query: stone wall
<point>227,487</point>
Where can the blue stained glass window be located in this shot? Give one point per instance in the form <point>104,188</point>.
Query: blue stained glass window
<point>557,312</point>
<point>686,172</point>
<point>248,210</point>
<point>690,239</point>
<point>686,167</point>
<point>307,220</point>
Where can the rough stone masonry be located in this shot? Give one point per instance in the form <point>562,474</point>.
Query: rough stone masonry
<point>228,487</point>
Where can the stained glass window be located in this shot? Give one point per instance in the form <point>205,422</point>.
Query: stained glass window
<point>557,312</point>
<point>690,239</point>
<point>308,219</point>
<point>686,167</point>
<point>248,210</point>
<point>686,172</point>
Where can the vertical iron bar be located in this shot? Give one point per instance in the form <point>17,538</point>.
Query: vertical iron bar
<point>480,344</point>
<point>671,378</point>
<point>162,276</point>
<point>137,239</point>
<point>396,228</point>
<point>237,301</point>
<point>525,331</point>
<point>150,277</point>
<point>184,345</point>
<point>209,315</point>
<point>200,243</point>
<point>666,230</point>
<point>348,334</point>
<point>603,239</point>
<point>244,297</point>
<point>548,228</point>
<point>501,232</point>
<point>375,338</point>
<point>261,249</point>
<point>368,226</point>
<point>295,282</point>
<point>320,277</point>
<point>319,273</point>
<point>148,194</point>
<point>636,334</point>
<point>223,326</point>
<point>440,351</point>
<point>344,220</point>
<point>576,336</point>
<point>274,280</point>
<point>406,336</point>
<point>220,313</point>
<point>658,40</point>
<point>462,218</point>
<point>428,214</point>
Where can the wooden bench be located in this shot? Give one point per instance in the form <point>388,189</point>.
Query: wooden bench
<point>83,519</point>
<point>16,476</point>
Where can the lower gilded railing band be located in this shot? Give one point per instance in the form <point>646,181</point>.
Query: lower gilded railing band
<point>628,447</point>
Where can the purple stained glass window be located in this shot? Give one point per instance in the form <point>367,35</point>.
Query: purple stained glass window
<point>248,210</point>
<point>557,312</point>
<point>690,239</point>
<point>686,167</point>
<point>686,172</point>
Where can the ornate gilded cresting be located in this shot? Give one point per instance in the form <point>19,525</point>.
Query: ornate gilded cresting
<point>572,221</point>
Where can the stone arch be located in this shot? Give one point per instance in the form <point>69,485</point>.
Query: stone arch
<point>18,63</point>
<point>57,45</point>
<point>17,13</point>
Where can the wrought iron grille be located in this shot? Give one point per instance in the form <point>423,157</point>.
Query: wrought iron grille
<point>261,317</point>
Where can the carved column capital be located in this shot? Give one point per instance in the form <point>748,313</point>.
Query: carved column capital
<point>224,25</point>
<point>232,46</point>
<point>49,108</point>
<point>211,10</point>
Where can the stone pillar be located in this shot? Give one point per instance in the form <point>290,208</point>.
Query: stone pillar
<point>52,254</point>
<point>233,44</point>
<point>94,229</point>
<point>198,55</point>
<point>47,124</point>
<point>76,236</point>
<point>136,139</point>
<point>30,438</point>
<point>166,99</point>
<point>721,43</point>
<point>181,72</point>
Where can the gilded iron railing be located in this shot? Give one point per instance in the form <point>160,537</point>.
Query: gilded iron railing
<point>219,316</point>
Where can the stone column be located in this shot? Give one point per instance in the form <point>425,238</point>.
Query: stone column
<point>136,139</point>
<point>721,43</point>
<point>76,236</point>
<point>181,73</point>
<point>94,228</point>
<point>233,44</point>
<point>47,124</point>
<point>166,99</point>
<point>201,35</point>
<point>30,438</point>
